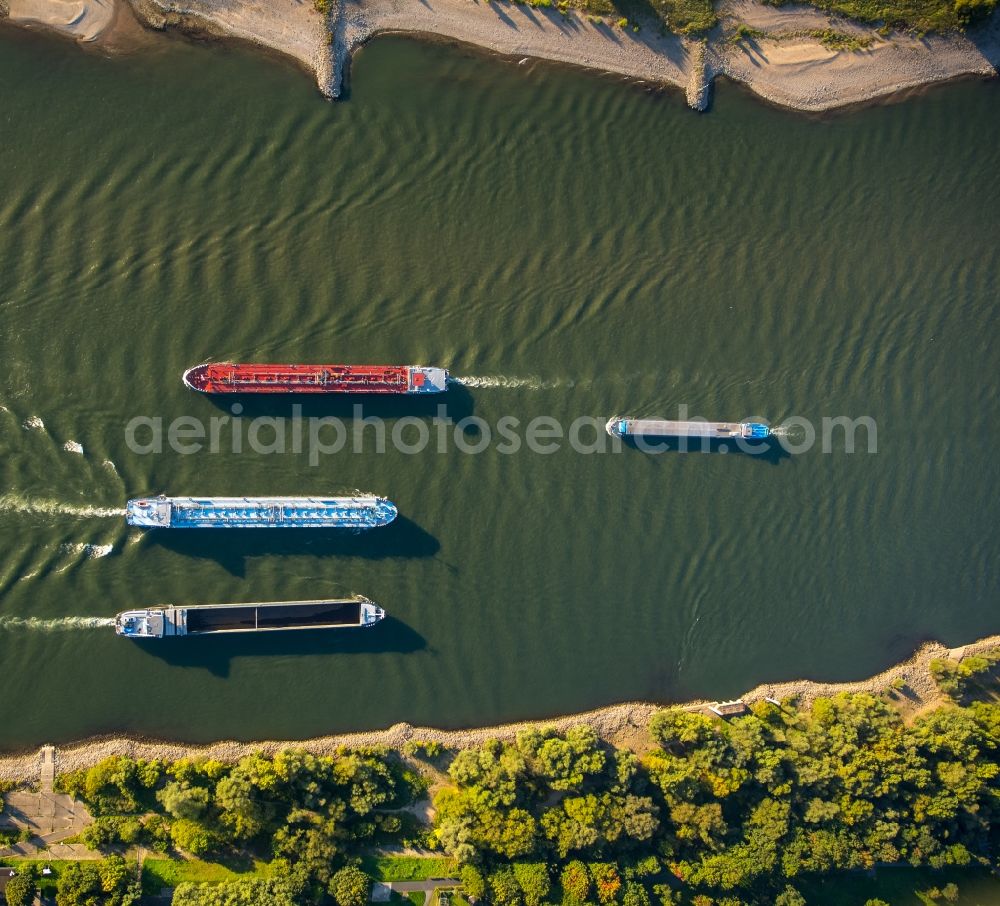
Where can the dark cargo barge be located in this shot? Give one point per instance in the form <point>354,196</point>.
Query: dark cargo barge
<point>216,619</point>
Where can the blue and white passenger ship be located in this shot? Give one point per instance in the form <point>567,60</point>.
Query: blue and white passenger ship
<point>363,512</point>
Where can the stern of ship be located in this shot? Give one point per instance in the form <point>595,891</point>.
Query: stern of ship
<point>140,624</point>
<point>427,380</point>
<point>148,512</point>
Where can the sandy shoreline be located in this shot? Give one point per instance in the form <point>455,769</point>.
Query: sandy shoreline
<point>623,724</point>
<point>782,63</point>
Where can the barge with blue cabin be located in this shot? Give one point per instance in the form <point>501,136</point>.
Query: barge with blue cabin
<point>218,619</point>
<point>359,513</point>
<point>658,427</point>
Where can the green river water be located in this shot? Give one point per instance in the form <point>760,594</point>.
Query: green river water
<point>568,245</point>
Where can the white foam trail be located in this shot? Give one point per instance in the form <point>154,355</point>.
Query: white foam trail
<point>90,551</point>
<point>33,423</point>
<point>71,446</point>
<point>503,381</point>
<point>11,503</point>
<point>59,624</point>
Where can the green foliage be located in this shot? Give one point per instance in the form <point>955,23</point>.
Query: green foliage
<point>350,886</point>
<point>744,32</point>
<point>917,15</point>
<point>112,831</point>
<point>534,881</point>
<point>108,882</point>
<point>503,888</point>
<point>635,895</point>
<point>575,882</point>
<point>323,7</point>
<point>473,882</point>
<point>730,807</point>
<point>839,40</point>
<point>248,892</point>
<point>309,813</point>
<point>687,17</point>
<point>790,897</point>
<point>607,882</point>
<point>426,749</point>
<point>961,679</point>
<point>734,812</point>
<point>21,888</point>
<point>114,785</point>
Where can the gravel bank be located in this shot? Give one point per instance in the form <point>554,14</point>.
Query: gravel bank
<point>782,63</point>
<point>623,724</point>
<point>290,27</point>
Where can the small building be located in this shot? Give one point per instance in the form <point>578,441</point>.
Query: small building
<point>728,709</point>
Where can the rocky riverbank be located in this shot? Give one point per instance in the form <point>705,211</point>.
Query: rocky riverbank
<point>785,54</point>
<point>624,724</point>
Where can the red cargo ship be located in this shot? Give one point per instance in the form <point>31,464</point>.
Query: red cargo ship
<point>228,377</point>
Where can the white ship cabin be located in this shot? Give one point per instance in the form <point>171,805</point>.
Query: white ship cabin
<point>151,512</point>
<point>140,624</point>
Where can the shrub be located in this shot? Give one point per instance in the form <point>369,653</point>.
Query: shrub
<point>350,886</point>
<point>21,888</point>
<point>473,882</point>
<point>575,881</point>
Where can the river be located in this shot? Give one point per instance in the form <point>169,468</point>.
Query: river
<point>569,245</point>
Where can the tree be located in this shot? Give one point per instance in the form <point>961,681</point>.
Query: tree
<point>251,892</point>
<point>635,895</point>
<point>105,883</point>
<point>350,886</point>
<point>192,837</point>
<point>607,882</point>
<point>575,882</point>
<point>504,889</point>
<point>534,881</point>
<point>789,897</point>
<point>473,882</point>
<point>666,895</point>
<point>114,874</point>
<point>183,801</point>
<point>21,888</point>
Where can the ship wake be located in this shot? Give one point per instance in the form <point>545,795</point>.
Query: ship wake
<point>503,382</point>
<point>11,503</point>
<point>59,624</point>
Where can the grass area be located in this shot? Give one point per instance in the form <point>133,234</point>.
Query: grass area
<point>744,32</point>
<point>904,887</point>
<point>408,868</point>
<point>684,17</point>
<point>49,882</point>
<point>917,15</point>
<point>160,873</point>
<point>838,40</point>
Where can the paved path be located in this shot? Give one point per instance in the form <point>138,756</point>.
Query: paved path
<point>427,887</point>
<point>51,816</point>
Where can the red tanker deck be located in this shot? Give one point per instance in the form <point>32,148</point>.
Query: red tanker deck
<point>230,377</point>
